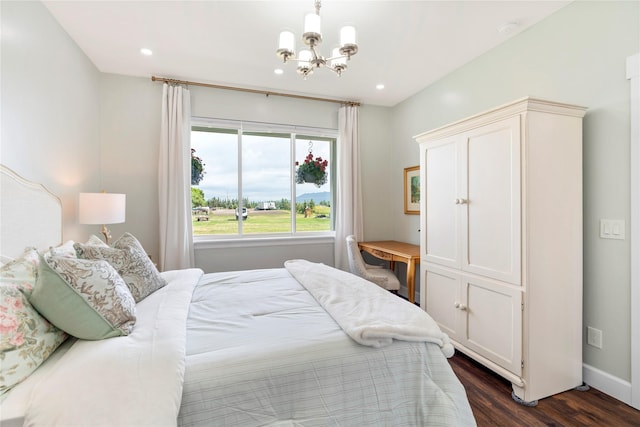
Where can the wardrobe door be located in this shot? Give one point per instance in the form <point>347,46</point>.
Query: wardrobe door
<point>489,201</point>
<point>441,161</point>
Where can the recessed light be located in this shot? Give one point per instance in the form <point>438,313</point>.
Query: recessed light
<point>380,86</point>
<point>145,51</point>
<point>278,71</point>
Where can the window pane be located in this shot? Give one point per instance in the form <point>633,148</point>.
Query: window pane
<point>263,176</point>
<point>266,183</point>
<point>219,153</point>
<point>313,199</point>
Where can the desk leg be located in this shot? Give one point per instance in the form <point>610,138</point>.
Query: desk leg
<point>411,281</point>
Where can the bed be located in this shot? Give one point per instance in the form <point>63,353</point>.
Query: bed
<point>301,345</point>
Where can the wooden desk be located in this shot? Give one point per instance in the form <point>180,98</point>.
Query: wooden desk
<point>392,251</point>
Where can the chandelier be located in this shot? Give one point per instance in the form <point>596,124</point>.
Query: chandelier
<point>308,59</point>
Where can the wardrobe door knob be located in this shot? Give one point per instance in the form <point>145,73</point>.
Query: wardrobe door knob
<point>460,306</point>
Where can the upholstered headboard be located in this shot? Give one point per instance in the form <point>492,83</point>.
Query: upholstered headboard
<point>30,215</point>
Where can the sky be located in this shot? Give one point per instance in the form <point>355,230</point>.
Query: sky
<point>266,164</point>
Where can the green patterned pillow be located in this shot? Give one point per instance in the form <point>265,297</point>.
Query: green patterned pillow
<point>131,261</point>
<point>87,299</point>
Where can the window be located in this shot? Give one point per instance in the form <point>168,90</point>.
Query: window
<point>249,185</point>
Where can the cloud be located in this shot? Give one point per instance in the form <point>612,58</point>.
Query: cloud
<point>266,165</point>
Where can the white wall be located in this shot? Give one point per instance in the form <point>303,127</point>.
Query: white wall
<point>577,56</point>
<point>50,108</point>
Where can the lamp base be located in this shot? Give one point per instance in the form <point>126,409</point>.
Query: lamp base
<point>106,233</point>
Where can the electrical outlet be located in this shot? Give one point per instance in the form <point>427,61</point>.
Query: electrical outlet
<point>594,337</point>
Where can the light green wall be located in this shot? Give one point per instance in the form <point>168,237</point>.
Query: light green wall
<point>50,107</point>
<point>577,56</point>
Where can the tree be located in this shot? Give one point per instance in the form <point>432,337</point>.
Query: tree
<point>284,204</point>
<point>197,198</point>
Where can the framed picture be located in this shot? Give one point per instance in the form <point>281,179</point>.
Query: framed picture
<point>412,190</point>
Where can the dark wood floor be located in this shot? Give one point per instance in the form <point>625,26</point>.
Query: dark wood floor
<point>492,405</point>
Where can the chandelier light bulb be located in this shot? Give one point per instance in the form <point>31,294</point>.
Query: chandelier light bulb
<point>337,59</point>
<point>347,35</point>
<point>305,57</point>
<point>312,35</point>
<point>338,62</point>
<point>312,23</point>
<point>287,41</point>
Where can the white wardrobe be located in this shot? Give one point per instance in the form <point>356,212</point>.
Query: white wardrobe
<point>501,241</point>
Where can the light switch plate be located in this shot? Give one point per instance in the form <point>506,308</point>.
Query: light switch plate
<point>612,229</point>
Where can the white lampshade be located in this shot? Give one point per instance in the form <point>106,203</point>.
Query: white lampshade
<point>101,208</point>
<point>347,35</point>
<point>338,59</point>
<point>286,41</point>
<point>312,23</point>
<point>304,57</point>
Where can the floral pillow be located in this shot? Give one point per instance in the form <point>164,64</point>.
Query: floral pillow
<point>26,338</point>
<point>85,298</point>
<point>131,261</point>
<point>65,250</point>
<point>22,271</point>
<point>95,241</point>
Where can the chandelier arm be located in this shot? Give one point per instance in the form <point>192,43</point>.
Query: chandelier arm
<point>335,57</point>
<point>316,56</point>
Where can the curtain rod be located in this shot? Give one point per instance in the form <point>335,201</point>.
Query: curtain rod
<point>263,92</point>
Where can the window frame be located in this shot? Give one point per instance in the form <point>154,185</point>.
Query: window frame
<point>242,126</point>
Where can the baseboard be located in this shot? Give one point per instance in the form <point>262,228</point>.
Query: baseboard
<point>607,383</point>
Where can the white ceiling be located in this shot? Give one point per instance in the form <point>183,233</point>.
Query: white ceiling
<point>405,45</point>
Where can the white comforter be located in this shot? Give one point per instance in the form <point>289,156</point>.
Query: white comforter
<point>367,313</point>
<point>261,351</point>
<point>126,381</point>
<point>256,349</point>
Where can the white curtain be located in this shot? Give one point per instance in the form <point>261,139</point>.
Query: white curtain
<point>349,194</point>
<point>174,174</point>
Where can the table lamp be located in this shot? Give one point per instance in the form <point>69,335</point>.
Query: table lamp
<point>102,208</point>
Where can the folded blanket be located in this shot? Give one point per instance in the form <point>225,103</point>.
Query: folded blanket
<point>369,314</point>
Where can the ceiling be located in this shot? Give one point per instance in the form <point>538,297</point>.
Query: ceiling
<point>405,45</point>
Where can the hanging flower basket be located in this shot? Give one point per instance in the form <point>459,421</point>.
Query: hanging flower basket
<point>312,171</point>
<point>197,168</point>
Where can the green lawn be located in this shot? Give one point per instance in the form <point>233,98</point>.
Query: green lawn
<point>224,222</point>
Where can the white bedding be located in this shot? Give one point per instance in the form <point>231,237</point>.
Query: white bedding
<point>262,352</point>
<point>366,312</point>
<point>256,349</point>
<point>134,380</point>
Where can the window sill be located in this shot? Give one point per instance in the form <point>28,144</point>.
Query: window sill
<point>206,242</point>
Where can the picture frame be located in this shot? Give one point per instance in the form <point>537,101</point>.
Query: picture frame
<point>412,190</point>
